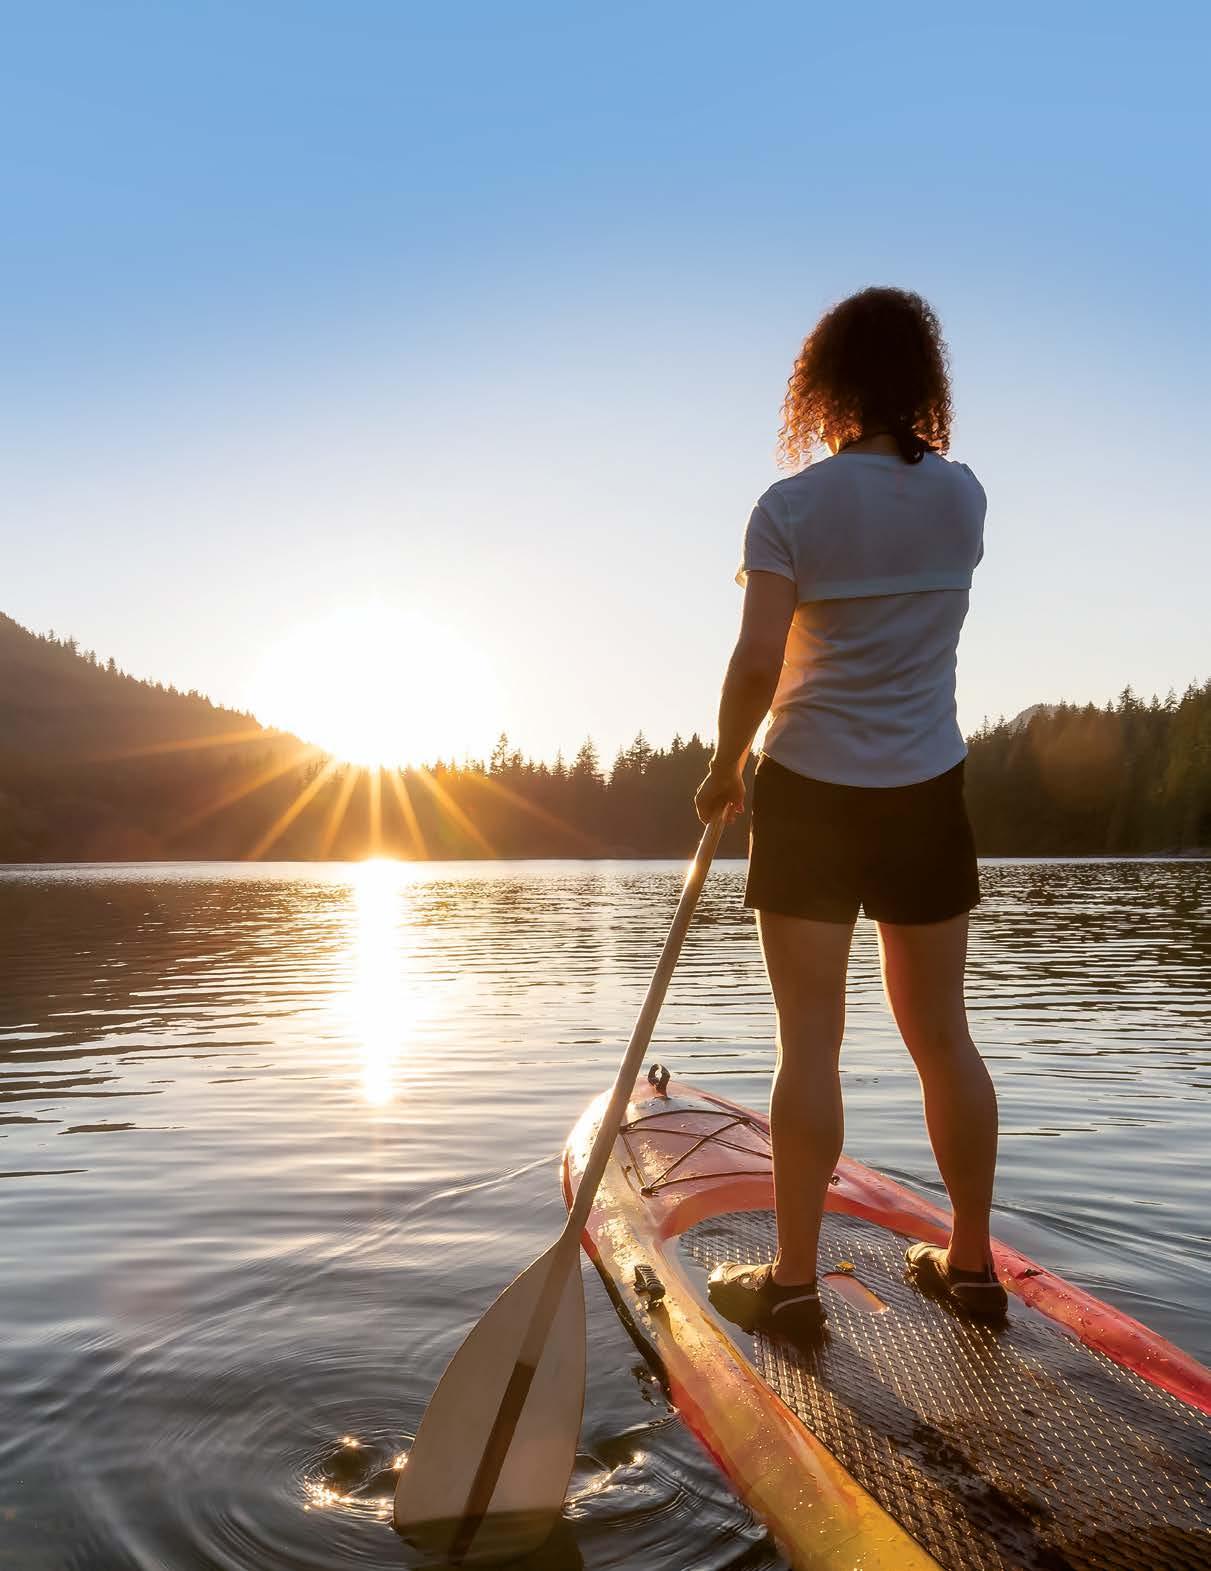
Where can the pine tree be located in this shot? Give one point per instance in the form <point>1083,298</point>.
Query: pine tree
<point>587,765</point>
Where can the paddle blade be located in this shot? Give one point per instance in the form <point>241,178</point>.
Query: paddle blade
<point>486,1478</point>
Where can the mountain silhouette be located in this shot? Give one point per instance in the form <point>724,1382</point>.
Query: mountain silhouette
<point>97,765</point>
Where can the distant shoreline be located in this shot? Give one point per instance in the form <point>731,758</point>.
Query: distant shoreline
<point>1199,854</point>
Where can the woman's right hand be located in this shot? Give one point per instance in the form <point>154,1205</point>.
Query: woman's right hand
<point>722,790</point>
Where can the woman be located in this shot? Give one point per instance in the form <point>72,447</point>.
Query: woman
<point>856,575</point>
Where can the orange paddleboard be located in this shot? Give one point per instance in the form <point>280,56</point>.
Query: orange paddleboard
<point>1070,1438</point>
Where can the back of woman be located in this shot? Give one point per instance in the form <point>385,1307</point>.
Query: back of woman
<point>857,571</point>
<point>881,553</point>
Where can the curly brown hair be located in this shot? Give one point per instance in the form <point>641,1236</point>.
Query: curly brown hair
<point>875,363</point>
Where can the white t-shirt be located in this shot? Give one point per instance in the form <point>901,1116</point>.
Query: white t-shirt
<point>881,552</point>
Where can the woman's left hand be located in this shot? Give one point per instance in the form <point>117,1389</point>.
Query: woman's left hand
<point>722,789</point>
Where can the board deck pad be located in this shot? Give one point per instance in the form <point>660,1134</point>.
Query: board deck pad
<point>998,1448</point>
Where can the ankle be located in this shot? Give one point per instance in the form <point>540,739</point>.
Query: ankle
<point>969,1248</point>
<point>790,1275</point>
<point>969,1261</point>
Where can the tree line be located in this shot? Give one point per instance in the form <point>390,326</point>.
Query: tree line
<point>1130,777</point>
<point>96,765</point>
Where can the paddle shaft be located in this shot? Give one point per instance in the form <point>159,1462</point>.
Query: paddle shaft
<point>567,1250</point>
<point>611,1119</point>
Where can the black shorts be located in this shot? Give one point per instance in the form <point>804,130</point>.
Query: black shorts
<point>900,853</point>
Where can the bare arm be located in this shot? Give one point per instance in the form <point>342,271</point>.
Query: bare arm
<point>748,687</point>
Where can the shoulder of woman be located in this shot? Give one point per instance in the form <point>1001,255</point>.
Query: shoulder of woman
<point>969,474</point>
<point>788,497</point>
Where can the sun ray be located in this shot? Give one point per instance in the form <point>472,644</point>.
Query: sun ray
<point>374,777</point>
<point>188,744</point>
<point>400,786</point>
<point>271,772</point>
<point>551,820</point>
<point>288,816</point>
<point>452,810</point>
<point>339,808</point>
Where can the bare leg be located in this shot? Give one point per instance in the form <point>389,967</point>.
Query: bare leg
<point>806,962</point>
<point>923,976</point>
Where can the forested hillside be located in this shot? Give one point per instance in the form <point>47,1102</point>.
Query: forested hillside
<point>1075,780</point>
<point>96,765</point>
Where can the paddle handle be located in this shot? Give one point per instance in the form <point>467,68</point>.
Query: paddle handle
<point>611,1119</point>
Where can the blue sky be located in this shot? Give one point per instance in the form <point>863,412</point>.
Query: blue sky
<point>483,314</point>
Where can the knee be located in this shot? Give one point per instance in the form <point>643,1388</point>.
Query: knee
<point>943,1044</point>
<point>808,1044</point>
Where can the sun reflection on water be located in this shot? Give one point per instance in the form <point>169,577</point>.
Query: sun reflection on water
<point>383,999</point>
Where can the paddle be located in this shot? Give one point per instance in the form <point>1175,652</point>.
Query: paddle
<point>486,1477</point>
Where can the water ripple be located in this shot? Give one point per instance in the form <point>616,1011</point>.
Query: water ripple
<point>313,1117</point>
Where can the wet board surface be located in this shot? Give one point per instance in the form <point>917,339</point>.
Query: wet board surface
<point>995,1447</point>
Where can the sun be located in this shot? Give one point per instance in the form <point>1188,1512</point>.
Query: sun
<point>379,687</point>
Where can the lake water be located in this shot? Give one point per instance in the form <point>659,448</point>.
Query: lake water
<point>271,1137</point>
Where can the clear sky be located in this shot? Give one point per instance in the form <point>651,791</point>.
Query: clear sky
<point>481,314</point>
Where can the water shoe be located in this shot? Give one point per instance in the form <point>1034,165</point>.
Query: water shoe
<point>976,1294</point>
<point>748,1296</point>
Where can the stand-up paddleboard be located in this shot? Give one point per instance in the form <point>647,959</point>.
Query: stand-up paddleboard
<point>1068,1438</point>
